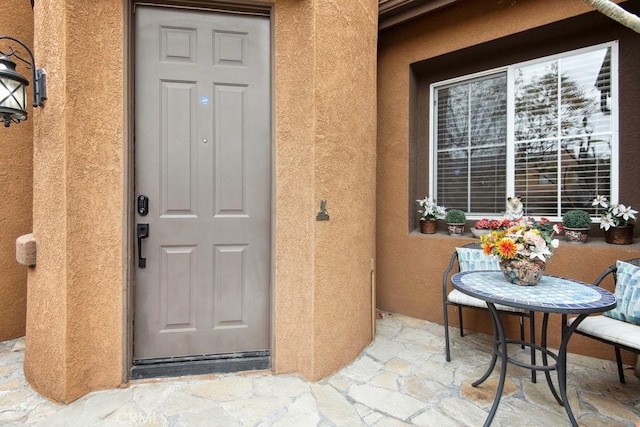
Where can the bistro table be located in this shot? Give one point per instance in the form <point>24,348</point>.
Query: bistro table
<point>551,295</point>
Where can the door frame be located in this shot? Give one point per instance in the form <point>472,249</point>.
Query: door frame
<point>243,7</point>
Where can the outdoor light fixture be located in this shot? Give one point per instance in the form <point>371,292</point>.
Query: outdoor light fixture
<point>13,85</point>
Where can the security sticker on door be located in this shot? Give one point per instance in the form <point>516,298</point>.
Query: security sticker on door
<point>204,100</point>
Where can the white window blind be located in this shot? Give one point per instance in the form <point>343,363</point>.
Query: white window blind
<point>542,130</point>
<point>471,149</point>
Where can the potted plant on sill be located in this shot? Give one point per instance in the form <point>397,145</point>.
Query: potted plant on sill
<point>486,226</point>
<point>576,224</point>
<point>617,221</point>
<point>455,220</point>
<point>430,212</point>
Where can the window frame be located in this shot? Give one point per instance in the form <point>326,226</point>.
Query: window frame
<point>510,143</point>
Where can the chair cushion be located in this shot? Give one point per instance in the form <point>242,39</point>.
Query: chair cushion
<point>476,259</point>
<point>457,297</point>
<point>627,293</point>
<point>611,330</point>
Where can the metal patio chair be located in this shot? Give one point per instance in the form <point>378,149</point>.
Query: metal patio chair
<point>453,297</point>
<point>618,333</point>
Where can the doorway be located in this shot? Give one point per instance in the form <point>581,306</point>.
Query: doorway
<point>203,192</point>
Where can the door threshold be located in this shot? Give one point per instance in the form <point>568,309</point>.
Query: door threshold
<point>200,365</point>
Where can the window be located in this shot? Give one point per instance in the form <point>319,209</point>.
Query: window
<point>544,130</point>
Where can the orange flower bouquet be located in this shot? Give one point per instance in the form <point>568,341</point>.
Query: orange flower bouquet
<point>523,249</point>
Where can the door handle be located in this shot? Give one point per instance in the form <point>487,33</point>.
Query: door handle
<point>142,232</point>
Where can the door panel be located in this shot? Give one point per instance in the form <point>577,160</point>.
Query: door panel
<point>203,158</point>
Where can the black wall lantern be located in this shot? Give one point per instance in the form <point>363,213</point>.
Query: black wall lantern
<point>13,86</point>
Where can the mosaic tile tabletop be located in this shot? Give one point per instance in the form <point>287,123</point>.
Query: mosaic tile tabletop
<point>552,294</point>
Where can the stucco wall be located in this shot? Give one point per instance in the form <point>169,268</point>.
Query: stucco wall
<point>294,175</point>
<point>324,148</point>
<point>410,264</point>
<point>75,311</point>
<point>16,152</point>
<point>345,153</point>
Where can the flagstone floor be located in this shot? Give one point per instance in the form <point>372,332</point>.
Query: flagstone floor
<point>401,379</point>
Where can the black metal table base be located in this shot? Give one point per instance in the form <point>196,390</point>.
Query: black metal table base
<point>500,350</point>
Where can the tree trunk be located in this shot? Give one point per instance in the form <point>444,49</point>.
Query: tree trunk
<point>615,12</point>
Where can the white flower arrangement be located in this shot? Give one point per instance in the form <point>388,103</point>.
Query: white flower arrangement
<point>429,209</point>
<point>617,215</point>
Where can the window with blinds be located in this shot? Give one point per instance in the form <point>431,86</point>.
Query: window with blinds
<point>542,130</point>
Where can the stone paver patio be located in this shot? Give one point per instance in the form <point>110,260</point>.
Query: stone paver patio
<point>400,379</point>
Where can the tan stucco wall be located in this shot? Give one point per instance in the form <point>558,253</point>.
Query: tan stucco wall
<point>16,152</point>
<point>410,264</point>
<point>324,148</point>
<point>75,311</point>
<point>345,153</point>
<point>293,287</point>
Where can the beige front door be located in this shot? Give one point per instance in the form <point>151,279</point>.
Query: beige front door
<point>203,161</point>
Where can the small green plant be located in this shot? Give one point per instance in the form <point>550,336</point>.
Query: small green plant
<point>455,216</point>
<point>576,219</point>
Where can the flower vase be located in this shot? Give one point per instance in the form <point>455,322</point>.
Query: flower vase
<point>455,229</point>
<point>619,235</point>
<point>429,226</point>
<point>479,232</point>
<point>523,271</point>
<point>576,235</point>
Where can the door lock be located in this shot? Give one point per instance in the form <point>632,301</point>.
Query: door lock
<point>143,205</point>
<point>142,232</point>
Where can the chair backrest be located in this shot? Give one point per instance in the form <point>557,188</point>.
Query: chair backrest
<point>626,276</point>
<point>472,259</point>
<point>613,270</point>
<point>454,256</point>
<point>484,263</point>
